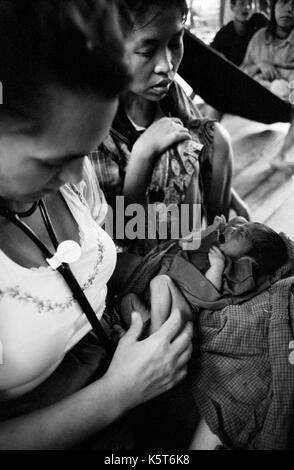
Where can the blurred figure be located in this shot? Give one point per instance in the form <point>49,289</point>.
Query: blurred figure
<point>264,6</point>
<point>270,55</point>
<point>233,38</point>
<point>270,61</point>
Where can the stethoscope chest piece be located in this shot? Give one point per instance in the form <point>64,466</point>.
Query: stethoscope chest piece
<point>68,252</point>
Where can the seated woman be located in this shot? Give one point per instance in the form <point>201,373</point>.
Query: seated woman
<point>269,57</point>
<point>269,60</point>
<point>138,156</point>
<point>62,68</point>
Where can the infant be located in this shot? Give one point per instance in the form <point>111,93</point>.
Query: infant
<point>233,260</point>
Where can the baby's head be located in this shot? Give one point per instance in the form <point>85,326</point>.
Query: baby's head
<point>259,242</point>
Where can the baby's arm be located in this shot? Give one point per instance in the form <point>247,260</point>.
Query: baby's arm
<point>217,264</point>
<point>218,223</point>
<point>188,242</point>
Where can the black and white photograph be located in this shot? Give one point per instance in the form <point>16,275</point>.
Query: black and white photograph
<point>147,228</point>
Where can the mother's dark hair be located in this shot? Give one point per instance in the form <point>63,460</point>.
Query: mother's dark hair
<point>141,8</point>
<point>75,44</point>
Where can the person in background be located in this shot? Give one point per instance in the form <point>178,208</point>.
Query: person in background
<point>270,55</point>
<point>233,38</point>
<point>270,61</point>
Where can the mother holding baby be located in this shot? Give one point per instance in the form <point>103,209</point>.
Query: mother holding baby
<point>140,159</point>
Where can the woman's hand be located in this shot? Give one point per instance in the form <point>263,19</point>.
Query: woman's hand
<point>141,370</point>
<point>160,136</point>
<point>268,71</point>
<point>151,144</point>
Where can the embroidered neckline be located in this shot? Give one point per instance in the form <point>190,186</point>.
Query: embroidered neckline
<point>46,306</point>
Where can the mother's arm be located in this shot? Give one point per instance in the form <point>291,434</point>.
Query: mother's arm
<point>139,371</point>
<point>160,136</point>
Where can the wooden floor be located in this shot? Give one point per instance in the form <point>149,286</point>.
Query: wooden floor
<point>269,194</point>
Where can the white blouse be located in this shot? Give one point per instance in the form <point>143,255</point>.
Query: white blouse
<point>39,319</point>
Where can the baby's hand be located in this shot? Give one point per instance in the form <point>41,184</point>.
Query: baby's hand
<point>235,221</point>
<point>216,257</point>
<point>219,222</point>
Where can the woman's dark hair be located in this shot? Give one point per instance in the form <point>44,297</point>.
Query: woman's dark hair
<point>76,44</point>
<point>141,8</point>
<point>269,250</point>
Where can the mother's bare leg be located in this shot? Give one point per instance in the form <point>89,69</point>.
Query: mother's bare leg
<point>284,161</point>
<point>221,196</point>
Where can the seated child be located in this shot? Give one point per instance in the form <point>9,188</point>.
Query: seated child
<point>234,262</point>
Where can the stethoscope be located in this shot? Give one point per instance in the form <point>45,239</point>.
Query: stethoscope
<point>65,252</point>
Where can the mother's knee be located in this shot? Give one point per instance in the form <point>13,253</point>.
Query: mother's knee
<point>222,146</point>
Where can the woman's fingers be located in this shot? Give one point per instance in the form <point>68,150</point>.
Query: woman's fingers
<point>144,369</point>
<point>183,358</point>
<point>170,131</point>
<point>135,330</point>
<point>181,130</point>
<point>183,342</point>
<point>179,377</point>
<point>172,327</point>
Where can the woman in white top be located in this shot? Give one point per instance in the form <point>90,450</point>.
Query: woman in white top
<point>270,54</point>
<point>62,68</point>
<point>270,60</point>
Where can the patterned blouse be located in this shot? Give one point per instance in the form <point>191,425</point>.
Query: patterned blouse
<point>173,171</point>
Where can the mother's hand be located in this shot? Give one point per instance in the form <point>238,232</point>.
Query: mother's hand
<point>160,136</point>
<point>141,370</point>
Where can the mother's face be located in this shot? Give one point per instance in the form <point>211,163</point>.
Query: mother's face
<point>32,166</point>
<point>156,51</point>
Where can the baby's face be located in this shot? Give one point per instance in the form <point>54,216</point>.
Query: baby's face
<point>236,241</point>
